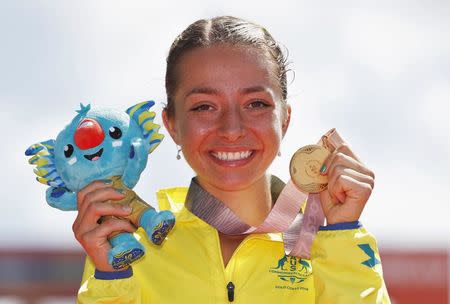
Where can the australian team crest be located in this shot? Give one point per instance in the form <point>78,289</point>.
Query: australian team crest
<point>292,270</point>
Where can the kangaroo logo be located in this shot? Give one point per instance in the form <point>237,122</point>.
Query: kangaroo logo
<point>281,263</point>
<point>292,269</point>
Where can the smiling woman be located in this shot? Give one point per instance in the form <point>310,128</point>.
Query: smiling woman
<point>226,92</point>
<point>218,116</point>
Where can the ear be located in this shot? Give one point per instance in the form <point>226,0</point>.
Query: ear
<point>169,123</point>
<point>286,119</point>
<point>43,157</point>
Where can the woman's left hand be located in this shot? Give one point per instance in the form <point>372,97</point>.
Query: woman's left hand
<point>350,184</point>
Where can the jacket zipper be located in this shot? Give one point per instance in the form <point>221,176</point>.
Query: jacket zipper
<point>230,289</point>
<point>230,286</point>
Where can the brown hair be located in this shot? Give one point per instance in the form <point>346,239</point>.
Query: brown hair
<point>222,30</point>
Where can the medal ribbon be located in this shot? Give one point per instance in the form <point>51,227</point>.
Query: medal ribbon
<point>298,229</point>
<point>299,238</point>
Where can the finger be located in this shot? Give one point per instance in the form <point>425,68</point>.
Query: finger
<point>104,194</point>
<point>345,149</point>
<point>100,184</point>
<point>95,242</point>
<point>101,232</point>
<point>340,171</point>
<point>351,188</point>
<point>357,175</point>
<point>94,211</point>
<point>344,155</point>
<point>340,152</point>
<point>341,160</point>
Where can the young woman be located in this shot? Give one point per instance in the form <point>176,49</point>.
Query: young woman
<point>227,110</point>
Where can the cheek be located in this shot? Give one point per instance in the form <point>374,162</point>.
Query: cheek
<point>271,127</point>
<point>273,135</point>
<point>191,132</point>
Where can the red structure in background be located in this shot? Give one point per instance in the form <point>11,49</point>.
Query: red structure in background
<point>31,276</point>
<point>417,276</point>
<point>411,277</point>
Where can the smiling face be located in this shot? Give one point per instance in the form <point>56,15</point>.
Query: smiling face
<point>94,146</point>
<point>229,118</point>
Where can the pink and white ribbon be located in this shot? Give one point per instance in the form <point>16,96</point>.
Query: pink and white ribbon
<point>298,229</point>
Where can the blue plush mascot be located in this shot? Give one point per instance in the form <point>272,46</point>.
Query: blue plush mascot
<point>104,144</point>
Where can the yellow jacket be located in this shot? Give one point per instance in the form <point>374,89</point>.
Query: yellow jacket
<point>188,268</point>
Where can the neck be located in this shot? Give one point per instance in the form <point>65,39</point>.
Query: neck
<point>251,204</point>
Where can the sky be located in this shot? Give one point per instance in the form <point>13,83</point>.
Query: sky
<point>378,72</point>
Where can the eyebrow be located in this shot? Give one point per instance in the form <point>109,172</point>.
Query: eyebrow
<point>254,89</point>
<point>211,91</point>
<point>202,90</point>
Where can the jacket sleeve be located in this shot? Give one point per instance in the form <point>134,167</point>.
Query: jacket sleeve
<point>347,266</point>
<point>108,287</point>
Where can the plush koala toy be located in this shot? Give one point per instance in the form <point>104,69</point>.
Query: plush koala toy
<point>105,144</point>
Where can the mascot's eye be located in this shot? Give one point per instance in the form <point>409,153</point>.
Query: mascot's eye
<point>115,132</point>
<point>68,150</point>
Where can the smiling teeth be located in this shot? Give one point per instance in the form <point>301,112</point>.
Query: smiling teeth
<point>232,156</point>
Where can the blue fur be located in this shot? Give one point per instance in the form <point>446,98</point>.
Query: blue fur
<point>124,242</point>
<point>151,222</point>
<point>114,160</point>
<point>127,160</point>
<point>136,165</point>
<point>61,198</point>
<point>126,156</point>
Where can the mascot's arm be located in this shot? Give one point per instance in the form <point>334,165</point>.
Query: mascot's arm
<point>137,160</point>
<point>61,198</point>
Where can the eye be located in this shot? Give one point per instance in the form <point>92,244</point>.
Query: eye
<point>115,132</point>
<point>68,150</point>
<point>257,104</point>
<point>202,108</point>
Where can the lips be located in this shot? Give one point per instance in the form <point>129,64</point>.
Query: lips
<point>95,156</point>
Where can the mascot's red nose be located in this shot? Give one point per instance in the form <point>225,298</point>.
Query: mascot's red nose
<point>89,134</point>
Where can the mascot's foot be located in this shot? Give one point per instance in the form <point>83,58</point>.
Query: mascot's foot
<point>157,224</point>
<point>125,250</point>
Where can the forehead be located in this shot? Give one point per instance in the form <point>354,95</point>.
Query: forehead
<point>226,67</point>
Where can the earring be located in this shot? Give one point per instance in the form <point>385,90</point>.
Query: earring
<point>279,153</point>
<point>179,152</point>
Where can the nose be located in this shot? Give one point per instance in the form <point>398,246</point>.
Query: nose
<point>232,126</point>
<point>89,134</point>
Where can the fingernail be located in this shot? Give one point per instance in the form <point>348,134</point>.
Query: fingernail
<point>107,181</point>
<point>121,191</point>
<point>126,208</point>
<point>323,169</point>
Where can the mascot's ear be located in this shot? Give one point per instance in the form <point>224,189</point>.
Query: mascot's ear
<point>44,158</point>
<point>142,115</point>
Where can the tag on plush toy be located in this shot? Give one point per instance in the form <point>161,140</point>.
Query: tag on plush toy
<point>99,144</point>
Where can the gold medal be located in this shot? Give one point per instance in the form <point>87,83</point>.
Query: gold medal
<point>305,168</point>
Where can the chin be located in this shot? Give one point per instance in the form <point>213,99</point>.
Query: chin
<point>234,182</point>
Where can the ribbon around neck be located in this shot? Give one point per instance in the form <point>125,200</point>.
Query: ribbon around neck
<point>285,215</point>
<point>298,229</point>
<point>217,214</point>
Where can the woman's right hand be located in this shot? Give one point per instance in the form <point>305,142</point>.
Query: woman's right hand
<point>95,201</point>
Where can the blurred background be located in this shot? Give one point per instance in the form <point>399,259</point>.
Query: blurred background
<point>377,71</point>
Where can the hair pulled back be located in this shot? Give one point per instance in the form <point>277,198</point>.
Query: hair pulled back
<point>222,30</point>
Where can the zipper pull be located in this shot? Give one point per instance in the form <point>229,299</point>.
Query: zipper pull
<point>230,288</point>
